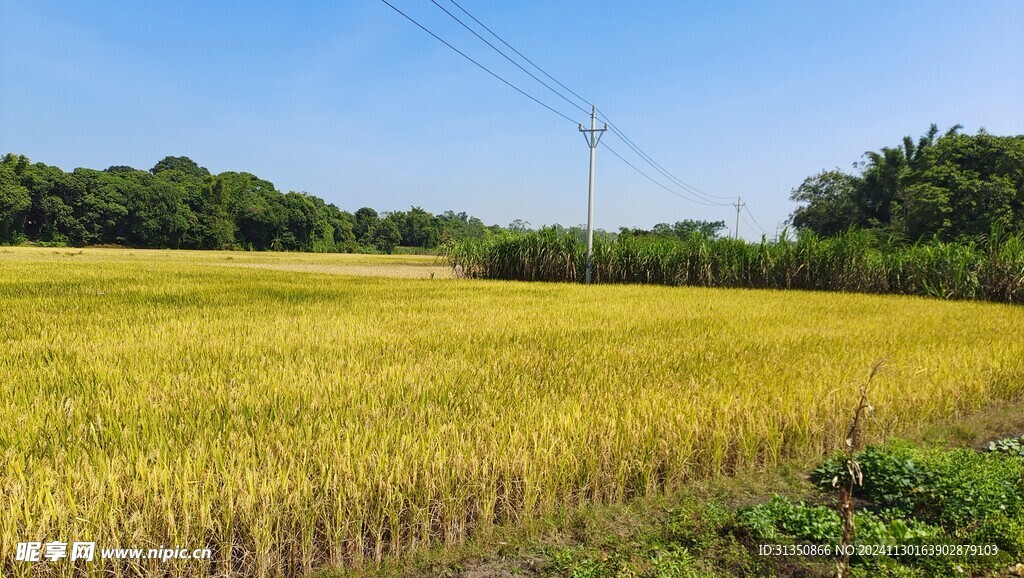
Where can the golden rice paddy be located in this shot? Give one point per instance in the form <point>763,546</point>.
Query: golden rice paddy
<point>292,412</point>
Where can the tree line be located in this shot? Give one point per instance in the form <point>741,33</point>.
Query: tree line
<point>179,204</point>
<point>950,187</point>
<point>945,187</point>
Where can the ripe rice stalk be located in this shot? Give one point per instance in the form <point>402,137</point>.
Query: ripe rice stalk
<point>292,421</point>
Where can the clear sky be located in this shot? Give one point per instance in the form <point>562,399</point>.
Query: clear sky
<point>351,102</point>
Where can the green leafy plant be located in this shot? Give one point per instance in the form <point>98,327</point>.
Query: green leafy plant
<point>1009,446</point>
<point>674,562</point>
<point>973,488</point>
<point>970,495</point>
<point>892,476</point>
<point>890,528</point>
<point>818,524</point>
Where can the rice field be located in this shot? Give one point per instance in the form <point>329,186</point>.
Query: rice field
<point>291,412</point>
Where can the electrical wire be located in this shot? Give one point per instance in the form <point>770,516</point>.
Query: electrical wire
<point>482,67</point>
<point>745,221</point>
<point>650,178</point>
<point>746,208</point>
<point>694,191</point>
<point>509,58</point>
<point>689,192</point>
<point>521,55</point>
<point>657,166</point>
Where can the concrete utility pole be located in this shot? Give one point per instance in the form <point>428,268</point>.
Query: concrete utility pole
<point>593,136</point>
<point>739,205</point>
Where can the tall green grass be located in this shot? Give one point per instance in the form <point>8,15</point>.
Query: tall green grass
<point>856,261</point>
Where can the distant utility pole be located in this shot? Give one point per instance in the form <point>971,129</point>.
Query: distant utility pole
<point>593,136</point>
<point>739,205</point>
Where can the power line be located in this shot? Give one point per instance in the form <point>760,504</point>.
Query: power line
<point>482,67</point>
<point>745,221</point>
<point>708,198</point>
<point>755,221</point>
<point>690,193</point>
<point>507,57</point>
<point>650,178</point>
<point>521,55</point>
<point>657,166</point>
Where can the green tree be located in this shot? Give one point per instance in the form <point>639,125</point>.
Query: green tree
<point>101,205</point>
<point>419,228</point>
<point>301,223</point>
<point>215,210</point>
<point>945,187</point>
<point>158,214</point>
<point>255,208</point>
<point>120,169</point>
<point>980,180</point>
<point>829,199</point>
<point>15,201</point>
<point>365,222</point>
<point>386,236</point>
<point>519,226</point>
<point>688,227</point>
<point>182,165</point>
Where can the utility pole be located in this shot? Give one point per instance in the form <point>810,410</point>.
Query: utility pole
<point>593,136</point>
<point>739,205</point>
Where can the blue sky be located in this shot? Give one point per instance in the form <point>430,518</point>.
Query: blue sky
<point>351,102</point>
